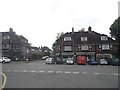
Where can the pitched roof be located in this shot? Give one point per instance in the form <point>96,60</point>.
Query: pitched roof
<point>92,37</point>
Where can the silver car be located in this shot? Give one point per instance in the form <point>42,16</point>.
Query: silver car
<point>103,62</point>
<point>70,61</point>
<point>49,61</point>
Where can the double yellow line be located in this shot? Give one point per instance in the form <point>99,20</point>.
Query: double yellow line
<point>4,82</point>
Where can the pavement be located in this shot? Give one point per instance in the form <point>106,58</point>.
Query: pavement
<point>36,74</point>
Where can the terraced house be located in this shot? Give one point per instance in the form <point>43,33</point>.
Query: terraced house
<point>89,43</point>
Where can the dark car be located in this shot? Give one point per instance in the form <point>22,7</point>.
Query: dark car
<point>93,62</point>
<point>59,61</point>
<point>115,62</point>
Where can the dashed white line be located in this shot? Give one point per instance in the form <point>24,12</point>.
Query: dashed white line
<point>32,71</point>
<point>24,71</point>
<point>67,72</point>
<point>40,71</point>
<point>96,73</point>
<point>115,74</point>
<point>75,72</point>
<point>59,71</point>
<point>84,72</point>
<point>50,71</point>
<point>16,70</point>
<point>6,70</point>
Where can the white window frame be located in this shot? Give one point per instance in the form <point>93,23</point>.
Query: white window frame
<point>67,39</point>
<point>83,38</point>
<point>105,47</point>
<point>104,38</point>
<point>6,37</point>
<point>67,48</point>
<point>84,47</point>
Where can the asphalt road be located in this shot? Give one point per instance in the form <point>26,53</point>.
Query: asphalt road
<point>36,74</point>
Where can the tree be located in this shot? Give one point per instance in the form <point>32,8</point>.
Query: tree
<point>82,30</point>
<point>115,29</point>
<point>59,34</point>
<point>57,37</point>
<point>115,32</point>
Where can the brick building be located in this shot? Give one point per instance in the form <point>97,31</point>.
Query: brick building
<point>89,43</point>
<point>14,46</point>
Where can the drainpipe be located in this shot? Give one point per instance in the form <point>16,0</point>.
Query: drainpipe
<point>95,51</point>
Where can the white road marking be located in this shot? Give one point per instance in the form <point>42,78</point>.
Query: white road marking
<point>16,70</point>
<point>32,71</point>
<point>50,71</point>
<point>24,71</point>
<point>67,72</point>
<point>4,82</point>
<point>96,73</point>
<point>104,73</point>
<point>84,72</point>
<point>59,71</point>
<point>6,70</point>
<point>115,74</point>
<point>75,72</point>
<point>40,71</point>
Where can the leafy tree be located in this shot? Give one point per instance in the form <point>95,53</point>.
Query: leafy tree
<point>115,32</point>
<point>59,34</point>
<point>115,29</point>
<point>57,37</point>
<point>82,30</point>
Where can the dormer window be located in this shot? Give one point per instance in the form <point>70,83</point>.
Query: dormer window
<point>67,38</point>
<point>83,38</point>
<point>104,38</point>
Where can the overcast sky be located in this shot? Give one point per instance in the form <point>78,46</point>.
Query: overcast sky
<point>40,20</point>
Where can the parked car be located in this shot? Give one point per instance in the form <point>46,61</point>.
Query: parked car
<point>70,61</point>
<point>64,60</point>
<point>103,62</point>
<point>59,61</point>
<point>49,61</point>
<point>5,60</point>
<point>81,60</point>
<point>44,57</point>
<point>109,61</point>
<point>93,62</point>
<point>115,62</point>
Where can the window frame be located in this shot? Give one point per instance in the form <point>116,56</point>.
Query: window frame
<point>104,38</point>
<point>84,47</point>
<point>67,48</point>
<point>84,39</point>
<point>67,38</point>
<point>105,47</point>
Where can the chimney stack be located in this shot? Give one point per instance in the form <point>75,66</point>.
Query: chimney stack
<point>10,30</point>
<point>89,28</point>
